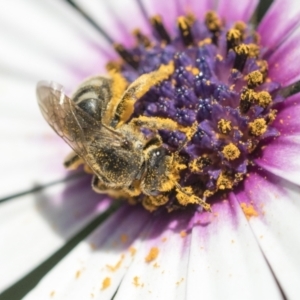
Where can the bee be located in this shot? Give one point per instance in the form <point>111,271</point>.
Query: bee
<point>97,124</point>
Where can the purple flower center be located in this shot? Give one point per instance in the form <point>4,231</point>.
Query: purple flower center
<point>218,87</point>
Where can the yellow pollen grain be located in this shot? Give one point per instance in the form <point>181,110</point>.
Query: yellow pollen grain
<point>258,127</point>
<point>212,21</point>
<point>185,196</point>
<point>193,70</point>
<point>219,57</point>
<point>253,50</point>
<point>152,255</point>
<point>224,126</point>
<point>205,41</point>
<point>190,17</point>
<point>117,265</point>
<point>52,294</point>
<point>147,204</point>
<point>78,273</point>
<point>234,37</point>
<point>183,233</point>
<point>124,238</point>
<point>255,78</point>
<point>224,182</point>
<point>249,210</point>
<point>184,25</point>
<point>264,99</point>
<point>113,66</point>
<point>231,151</point>
<point>132,251</point>
<point>240,26</point>
<point>272,115</point>
<point>249,96</point>
<point>263,67</point>
<point>194,166</point>
<point>158,200</point>
<point>136,281</point>
<point>242,49</point>
<point>106,283</point>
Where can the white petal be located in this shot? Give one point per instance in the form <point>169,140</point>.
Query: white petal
<point>31,153</point>
<point>225,260</point>
<point>36,225</point>
<point>51,44</point>
<point>164,277</point>
<point>277,227</point>
<point>104,254</point>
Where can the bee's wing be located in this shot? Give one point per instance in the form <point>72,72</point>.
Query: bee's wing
<point>69,121</point>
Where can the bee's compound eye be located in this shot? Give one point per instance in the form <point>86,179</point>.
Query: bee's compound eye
<point>126,144</point>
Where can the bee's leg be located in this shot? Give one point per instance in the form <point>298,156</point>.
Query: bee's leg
<point>73,161</point>
<point>124,109</point>
<point>102,188</point>
<point>156,123</point>
<point>98,185</point>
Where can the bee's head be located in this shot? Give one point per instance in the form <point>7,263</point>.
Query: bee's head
<point>156,177</point>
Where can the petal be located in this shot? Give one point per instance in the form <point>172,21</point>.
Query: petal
<point>118,19</point>
<point>36,225</point>
<point>234,10</point>
<point>168,10</point>
<point>96,266</point>
<point>279,21</point>
<point>283,63</point>
<point>281,157</point>
<point>199,8</point>
<point>287,121</point>
<point>225,260</point>
<point>277,226</point>
<point>32,154</point>
<point>51,44</point>
<point>162,276</point>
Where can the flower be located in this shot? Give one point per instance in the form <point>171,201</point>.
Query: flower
<point>246,248</point>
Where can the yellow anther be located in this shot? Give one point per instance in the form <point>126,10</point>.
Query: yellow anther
<point>231,151</point>
<point>255,78</point>
<point>258,127</point>
<point>224,126</point>
<point>264,99</point>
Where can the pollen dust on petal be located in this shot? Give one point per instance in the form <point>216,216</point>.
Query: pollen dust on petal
<point>117,265</point>
<point>179,281</point>
<point>183,233</point>
<point>136,282</point>
<point>152,255</point>
<point>132,251</point>
<point>52,293</point>
<point>124,238</point>
<point>106,283</point>
<point>249,210</point>
<point>78,273</point>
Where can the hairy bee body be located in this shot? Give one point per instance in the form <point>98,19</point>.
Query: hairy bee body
<point>99,127</point>
<point>121,158</point>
